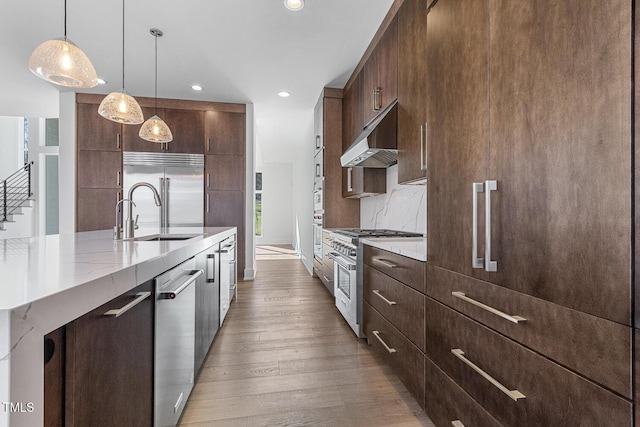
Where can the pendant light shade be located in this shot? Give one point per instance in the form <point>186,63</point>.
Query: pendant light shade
<point>155,129</point>
<point>61,62</point>
<point>121,107</point>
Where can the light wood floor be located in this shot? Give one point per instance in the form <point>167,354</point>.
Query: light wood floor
<point>285,357</point>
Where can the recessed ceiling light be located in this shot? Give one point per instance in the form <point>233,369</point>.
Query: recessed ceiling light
<point>284,94</point>
<point>102,81</point>
<point>196,87</point>
<point>294,5</point>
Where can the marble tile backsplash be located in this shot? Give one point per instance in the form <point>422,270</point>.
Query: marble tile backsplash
<point>403,207</point>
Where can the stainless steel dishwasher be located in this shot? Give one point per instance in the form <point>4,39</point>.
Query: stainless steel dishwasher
<point>174,341</point>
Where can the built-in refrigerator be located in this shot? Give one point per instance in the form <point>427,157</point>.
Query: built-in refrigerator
<point>179,180</point>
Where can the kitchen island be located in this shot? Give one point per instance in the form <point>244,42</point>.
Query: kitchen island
<point>48,281</point>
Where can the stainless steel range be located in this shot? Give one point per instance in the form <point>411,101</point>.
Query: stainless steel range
<point>348,269</point>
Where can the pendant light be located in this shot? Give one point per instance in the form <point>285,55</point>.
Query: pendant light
<point>61,62</point>
<point>119,106</point>
<point>155,129</point>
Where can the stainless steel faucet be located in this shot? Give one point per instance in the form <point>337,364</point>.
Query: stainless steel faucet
<point>117,230</point>
<point>130,224</point>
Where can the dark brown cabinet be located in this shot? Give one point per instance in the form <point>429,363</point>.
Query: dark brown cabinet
<point>105,352</point>
<point>187,127</point>
<point>99,166</point>
<point>54,357</point>
<point>226,209</point>
<point>225,133</point>
<point>224,173</point>
<point>412,91</point>
<point>352,112</point>
<point>381,73</point>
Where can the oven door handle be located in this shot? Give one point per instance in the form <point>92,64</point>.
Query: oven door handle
<point>339,259</point>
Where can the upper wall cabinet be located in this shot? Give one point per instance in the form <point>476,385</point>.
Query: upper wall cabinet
<point>187,127</point>
<point>352,112</point>
<point>412,91</point>
<point>381,73</point>
<point>94,132</point>
<point>225,133</point>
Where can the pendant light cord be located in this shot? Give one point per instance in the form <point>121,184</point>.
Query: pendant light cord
<point>122,46</point>
<point>156,88</point>
<point>65,20</point>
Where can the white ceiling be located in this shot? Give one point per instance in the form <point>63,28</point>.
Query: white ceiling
<point>238,50</point>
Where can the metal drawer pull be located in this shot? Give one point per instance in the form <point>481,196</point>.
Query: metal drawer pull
<point>513,394</point>
<point>389,349</point>
<point>140,296</point>
<point>510,318</point>
<point>476,262</point>
<point>349,186</point>
<point>457,423</point>
<point>423,146</point>
<point>490,266</point>
<point>385,263</point>
<point>190,279</point>
<point>377,292</point>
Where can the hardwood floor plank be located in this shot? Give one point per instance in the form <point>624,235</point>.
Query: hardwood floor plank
<point>286,357</point>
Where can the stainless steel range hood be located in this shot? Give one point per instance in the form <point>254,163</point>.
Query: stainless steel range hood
<point>377,145</point>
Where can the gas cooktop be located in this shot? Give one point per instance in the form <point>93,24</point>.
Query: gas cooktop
<point>362,233</point>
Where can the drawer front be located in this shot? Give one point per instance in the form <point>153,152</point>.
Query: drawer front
<point>406,360</point>
<point>401,305</point>
<point>597,348</point>
<point>554,396</point>
<point>407,270</point>
<point>317,267</point>
<point>446,402</point>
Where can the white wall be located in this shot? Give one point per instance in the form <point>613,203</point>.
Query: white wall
<point>67,162</point>
<point>250,167</point>
<point>277,204</point>
<point>402,207</point>
<point>303,200</point>
<point>11,145</point>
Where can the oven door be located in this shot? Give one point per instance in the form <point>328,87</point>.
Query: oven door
<point>317,240</point>
<point>317,200</point>
<point>344,286</point>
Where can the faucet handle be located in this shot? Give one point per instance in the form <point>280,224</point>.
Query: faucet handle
<point>135,224</point>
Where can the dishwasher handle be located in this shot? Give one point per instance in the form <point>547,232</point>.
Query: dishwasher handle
<point>186,281</point>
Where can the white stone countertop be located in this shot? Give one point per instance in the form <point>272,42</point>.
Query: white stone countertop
<point>48,281</point>
<point>411,247</point>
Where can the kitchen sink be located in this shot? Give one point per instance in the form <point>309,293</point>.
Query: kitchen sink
<point>165,237</point>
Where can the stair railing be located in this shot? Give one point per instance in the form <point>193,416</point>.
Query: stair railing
<point>16,190</point>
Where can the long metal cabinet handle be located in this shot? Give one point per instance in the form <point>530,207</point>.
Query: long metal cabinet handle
<point>457,423</point>
<point>476,262</point>
<point>424,135</point>
<point>349,187</point>
<point>513,394</point>
<point>489,264</point>
<point>140,296</point>
<point>207,202</point>
<point>389,349</point>
<point>377,292</point>
<point>510,318</point>
<point>118,143</point>
<point>377,104</point>
<point>211,268</point>
<point>118,178</point>
<point>208,180</point>
<point>208,144</point>
<point>190,279</point>
<point>385,263</point>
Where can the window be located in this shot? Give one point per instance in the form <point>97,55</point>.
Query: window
<point>26,140</point>
<point>258,203</point>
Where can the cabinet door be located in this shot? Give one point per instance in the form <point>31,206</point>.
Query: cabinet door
<point>225,133</point>
<point>99,169</point>
<point>187,127</point>
<point>224,173</point>
<point>412,90</point>
<point>96,208</point>
<point>109,364</point>
<point>226,209</point>
<point>381,73</point>
<point>352,112</point>
<point>363,182</point>
<point>131,140</point>
<point>458,126</point>
<point>94,132</point>
<point>561,153</point>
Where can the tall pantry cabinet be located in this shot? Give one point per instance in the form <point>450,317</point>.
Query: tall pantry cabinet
<point>529,210</point>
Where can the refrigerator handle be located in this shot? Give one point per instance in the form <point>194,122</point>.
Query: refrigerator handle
<point>165,203</point>
<point>161,185</point>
